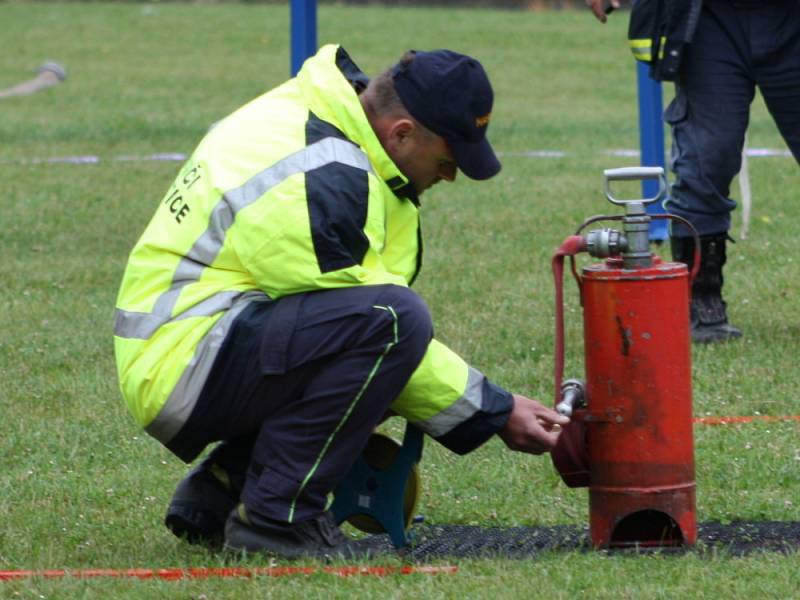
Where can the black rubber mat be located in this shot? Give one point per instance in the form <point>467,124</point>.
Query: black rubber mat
<point>465,541</point>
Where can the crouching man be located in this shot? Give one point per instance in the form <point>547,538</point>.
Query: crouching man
<point>267,307</point>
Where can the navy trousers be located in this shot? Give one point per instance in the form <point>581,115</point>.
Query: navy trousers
<point>299,386</point>
<point>738,45</point>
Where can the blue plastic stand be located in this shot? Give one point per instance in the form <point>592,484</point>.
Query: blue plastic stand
<point>651,143</point>
<point>380,493</point>
<point>303,32</point>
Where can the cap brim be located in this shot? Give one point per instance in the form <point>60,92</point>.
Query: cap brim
<point>476,160</point>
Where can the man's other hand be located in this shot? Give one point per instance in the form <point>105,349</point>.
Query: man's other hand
<point>599,9</point>
<point>532,427</point>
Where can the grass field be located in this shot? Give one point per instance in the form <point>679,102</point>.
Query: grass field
<point>82,487</point>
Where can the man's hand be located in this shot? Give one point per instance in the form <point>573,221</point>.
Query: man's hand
<point>532,428</point>
<point>599,8</point>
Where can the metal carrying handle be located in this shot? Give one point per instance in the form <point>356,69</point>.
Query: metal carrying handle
<point>634,174</point>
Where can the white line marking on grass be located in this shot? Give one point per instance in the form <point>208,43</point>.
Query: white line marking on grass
<point>767,152</point>
<point>91,159</point>
<point>167,156</point>
<point>536,153</point>
<point>632,153</point>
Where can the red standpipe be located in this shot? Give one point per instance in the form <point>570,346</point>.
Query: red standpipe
<point>632,443</point>
<point>639,414</point>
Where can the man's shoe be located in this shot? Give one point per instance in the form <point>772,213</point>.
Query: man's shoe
<point>708,314</point>
<point>709,319</point>
<point>201,504</point>
<point>319,537</point>
<point>710,334</point>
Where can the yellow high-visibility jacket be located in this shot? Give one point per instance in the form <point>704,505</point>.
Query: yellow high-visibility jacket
<point>240,224</point>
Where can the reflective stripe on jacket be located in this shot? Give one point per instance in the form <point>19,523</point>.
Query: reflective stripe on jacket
<point>291,193</point>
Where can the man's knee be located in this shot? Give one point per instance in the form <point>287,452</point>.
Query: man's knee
<point>412,318</point>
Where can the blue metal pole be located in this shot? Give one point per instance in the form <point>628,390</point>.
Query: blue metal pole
<point>651,142</point>
<point>303,31</point>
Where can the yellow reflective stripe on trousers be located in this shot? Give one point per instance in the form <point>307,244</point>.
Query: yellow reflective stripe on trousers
<point>462,409</point>
<point>347,413</point>
<point>141,325</point>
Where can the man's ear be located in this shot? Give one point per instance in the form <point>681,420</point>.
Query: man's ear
<point>399,134</point>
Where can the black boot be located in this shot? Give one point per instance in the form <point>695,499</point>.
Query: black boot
<point>709,319</point>
<point>319,537</point>
<point>202,502</point>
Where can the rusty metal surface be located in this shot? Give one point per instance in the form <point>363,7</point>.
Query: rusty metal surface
<point>639,404</point>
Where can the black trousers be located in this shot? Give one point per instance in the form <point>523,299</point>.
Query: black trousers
<point>738,46</point>
<point>298,387</point>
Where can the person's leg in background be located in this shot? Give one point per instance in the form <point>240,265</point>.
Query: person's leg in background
<point>709,117</point>
<point>776,60</point>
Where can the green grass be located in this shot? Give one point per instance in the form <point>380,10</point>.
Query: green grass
<point>81,486</point>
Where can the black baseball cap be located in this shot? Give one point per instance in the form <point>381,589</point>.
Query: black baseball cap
<point>450,94</point>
